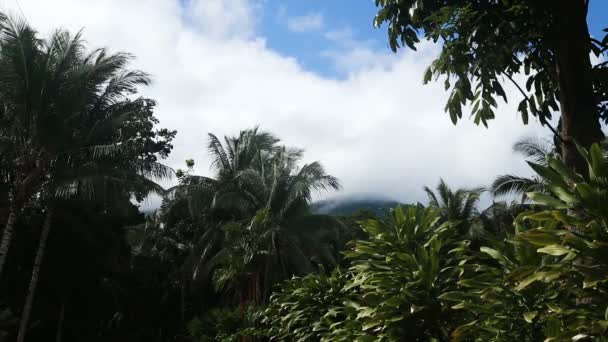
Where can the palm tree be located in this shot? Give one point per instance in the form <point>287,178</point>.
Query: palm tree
<point>499,217</point>
<point>19,84</point>
<point>534,150</point>
<point>62,110</point>
<point>241,152</point>
<point>459,205</point>
<point>284,238</point>
<point>257,228</point>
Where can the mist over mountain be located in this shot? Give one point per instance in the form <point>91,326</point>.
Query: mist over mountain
<point>348,204</point>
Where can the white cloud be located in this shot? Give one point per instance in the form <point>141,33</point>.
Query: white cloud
<point>221,19</point>
<point>349,54</point>
<point>305,23</point>
<point>379,130</point>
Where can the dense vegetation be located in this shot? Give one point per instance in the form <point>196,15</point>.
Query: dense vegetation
<point>245,256</point>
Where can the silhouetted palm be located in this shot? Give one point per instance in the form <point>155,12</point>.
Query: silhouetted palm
<point>69,128</point>
<point>456,205</point>
<point>534,150</point>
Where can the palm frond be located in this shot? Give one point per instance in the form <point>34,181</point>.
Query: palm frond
<point>219,158</point>
<point>534,149</point>
<point>432,197</point>
<point>514,185</point>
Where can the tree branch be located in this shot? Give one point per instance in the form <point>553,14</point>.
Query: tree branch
<point>542,119</point>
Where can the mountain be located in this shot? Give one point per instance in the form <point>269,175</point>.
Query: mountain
<point>350,204</point>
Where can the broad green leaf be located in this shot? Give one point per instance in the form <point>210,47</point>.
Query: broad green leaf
<point>563,170</point>
<point>495,254</point>
<point>539,237</point>
<point>598,164</point>
<point>555,250</point>
<point>547,173</point>
<point>545,199</point>
<point>547,276</point>
<point>585,191</point>
<point>563,193</point>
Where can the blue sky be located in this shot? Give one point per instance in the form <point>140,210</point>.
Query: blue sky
<point>598,17</point>
<point>354,16</point>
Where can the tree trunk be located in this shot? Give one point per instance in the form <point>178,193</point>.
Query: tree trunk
<point>580,119</point>
<point>59,334</point>
<point>29,300</point>
<point>7,237</point>
<point>182,302</point>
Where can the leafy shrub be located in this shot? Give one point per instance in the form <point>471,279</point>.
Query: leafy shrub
<point>223,325</point>
<point>391,292</point>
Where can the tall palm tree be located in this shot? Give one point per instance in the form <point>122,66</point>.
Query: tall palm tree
<point>230,161</point>
<point>283,238</point>
<point>257,223</point>
<point>19,85</point>
<point>62,108</point>
<point>238,153</point>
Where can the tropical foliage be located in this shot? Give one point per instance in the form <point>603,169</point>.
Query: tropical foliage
<point>243,255</point>
<point>488,44</point>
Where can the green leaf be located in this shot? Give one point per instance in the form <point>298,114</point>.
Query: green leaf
<point>563,194</point>
<point>585,191</point>
<point>547,200</point>
<point>371,324</point>
<point>539,237</point>
<point>546,173</point>
<point>428,75</point>
<point>529,316</point>
<point>547,276</point>
<point>523,109</point>
<point>563,170</point>
<point>495,254</point>
<point>555,250</point>
<point>598,164</point>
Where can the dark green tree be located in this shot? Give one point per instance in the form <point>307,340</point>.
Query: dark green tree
<point>70,129</point>
<point>489,42</point>
<point>257,227</point>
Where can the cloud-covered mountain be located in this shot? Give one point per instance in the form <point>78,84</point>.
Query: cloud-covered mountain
<point>346,205</point>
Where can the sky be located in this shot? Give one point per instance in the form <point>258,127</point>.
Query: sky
<point>314,72</point>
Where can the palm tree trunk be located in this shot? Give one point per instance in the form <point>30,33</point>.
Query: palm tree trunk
<point>7,236</point>
<point>59,334</point>
<point>182,302</point>
<point>29,300</point>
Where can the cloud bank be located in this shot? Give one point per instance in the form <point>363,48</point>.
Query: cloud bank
<point>378,128</point>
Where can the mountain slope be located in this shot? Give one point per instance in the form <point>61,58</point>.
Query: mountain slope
<point>349,205</point>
